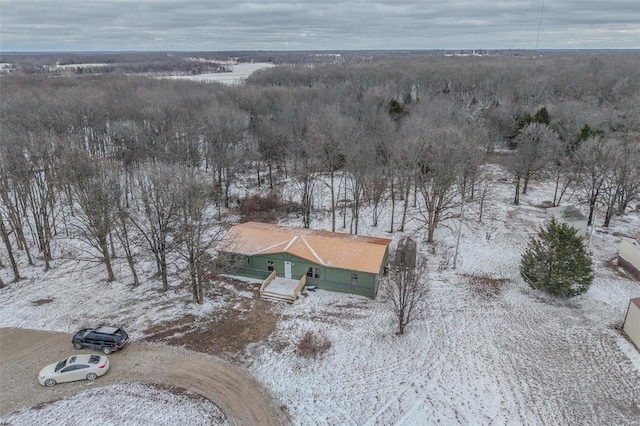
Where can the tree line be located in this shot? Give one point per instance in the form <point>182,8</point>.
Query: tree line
<point>135,167</point>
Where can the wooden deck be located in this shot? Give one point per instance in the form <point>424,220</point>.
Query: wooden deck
<point>281,289</point>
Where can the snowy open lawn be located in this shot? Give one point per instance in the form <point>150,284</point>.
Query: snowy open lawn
<point>488,349</point>
<point>130,404</point>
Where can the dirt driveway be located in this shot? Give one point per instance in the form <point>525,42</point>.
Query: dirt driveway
<point>24,352</point>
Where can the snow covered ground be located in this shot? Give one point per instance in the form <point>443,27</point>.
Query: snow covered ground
<point>240,72</point>
<point>126,404</point>
<point>501,354</point>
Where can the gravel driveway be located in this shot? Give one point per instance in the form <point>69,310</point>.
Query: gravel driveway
<point>24,352</point>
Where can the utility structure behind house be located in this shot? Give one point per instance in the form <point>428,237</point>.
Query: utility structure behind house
<point>406,253</point>
<point>631,325</point>
<point>629,256</point>
<point>570,216</point>
<point>328,260</point>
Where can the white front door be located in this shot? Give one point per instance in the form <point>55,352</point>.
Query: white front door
<point>287,270</point>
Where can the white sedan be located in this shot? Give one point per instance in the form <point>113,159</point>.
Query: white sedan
<point>76,367</point>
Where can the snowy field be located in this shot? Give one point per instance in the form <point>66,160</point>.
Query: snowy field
<point>505,356</point>
<point>240,72</point>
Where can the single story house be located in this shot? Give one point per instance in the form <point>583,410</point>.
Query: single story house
<point>629,256</point>
<point>631,324</point>
<point>569,215</point>
<point>331,261</point>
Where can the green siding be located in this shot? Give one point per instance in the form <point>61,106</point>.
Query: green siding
<point>331,279</point>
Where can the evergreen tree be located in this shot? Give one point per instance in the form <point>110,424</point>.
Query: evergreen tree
<point>542,116</point>
<point>556,262</point>
<point>585,133</point>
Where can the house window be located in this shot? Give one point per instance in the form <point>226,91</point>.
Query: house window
<point>270,265</point>
<point>313,272</point>
<point>354,278</point>
<point>249,261</point>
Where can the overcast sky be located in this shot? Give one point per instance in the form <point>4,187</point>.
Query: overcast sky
<point>218,25</point>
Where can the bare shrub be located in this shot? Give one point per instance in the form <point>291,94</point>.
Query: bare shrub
<point>267,209</point>
<point>485,286</point>
<point>313,345</point>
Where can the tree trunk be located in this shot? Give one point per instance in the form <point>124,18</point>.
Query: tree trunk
<point>393,203</point>
<point>193,275</point>
<point>107,258</point>
<point>525,184</point>
<point>333,203</point>
<point>7,243</point>
<point>199,283</point>
<point>516,198</point>
<point>15,221</point>
<point>344,206</point>
<point>405,207</point>
<point>592,206</point>
<point>163,270</point>
<point>555,190</point>
<point>124,239</point>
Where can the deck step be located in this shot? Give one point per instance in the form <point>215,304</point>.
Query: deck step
<point>277,297</point>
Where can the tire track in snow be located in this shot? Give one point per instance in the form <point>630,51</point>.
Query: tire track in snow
<point>432,358</point>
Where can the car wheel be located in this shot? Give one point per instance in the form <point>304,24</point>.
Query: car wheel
<point>91,376</point>
<point>106,350</point>
<point>49,382</point>
<point>78,346</point>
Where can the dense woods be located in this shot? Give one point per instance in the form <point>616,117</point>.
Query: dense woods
<point>131,166</point>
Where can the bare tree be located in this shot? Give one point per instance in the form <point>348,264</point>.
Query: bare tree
<point>197,231</point>
<point>94,190</point>
<point>628,170</point>
<point>7,243</point>
<point>441,159</point>
<point>405,292</point>
<point>223,132</point>
<point>622,183</point>
<point>158,212</point>
<point>402,171</point>
<point>332,131</point>
<point>593,160</point>
<point>41,189</point>
<point>15,177</point>
<point>536,144</point>
<point>306,153</point>
<point>122,224</point>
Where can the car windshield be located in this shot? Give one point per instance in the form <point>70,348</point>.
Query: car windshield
<point>60,365</point>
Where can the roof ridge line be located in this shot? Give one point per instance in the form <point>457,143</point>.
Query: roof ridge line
<point>293,240</point>
<point>321,260</point>
<point>271,247</point>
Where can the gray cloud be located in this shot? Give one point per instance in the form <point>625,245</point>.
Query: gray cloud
<point>191,25</point>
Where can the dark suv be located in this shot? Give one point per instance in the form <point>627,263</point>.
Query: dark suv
<point>106,339</point>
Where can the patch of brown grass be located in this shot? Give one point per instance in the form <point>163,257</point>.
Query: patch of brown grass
<point>485,286</point>
<point>226,334</point>
<point>313,345</point>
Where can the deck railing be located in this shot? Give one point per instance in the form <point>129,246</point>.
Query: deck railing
<point>301,284</point>
<point>266,282</point>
